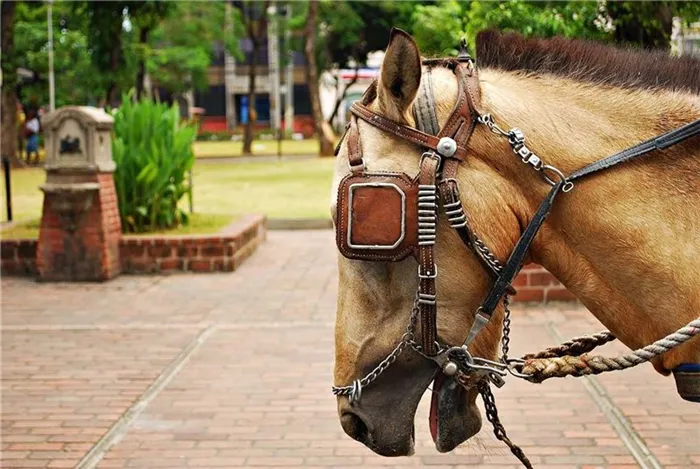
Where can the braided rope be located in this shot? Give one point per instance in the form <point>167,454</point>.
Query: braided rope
<point>540,369</point>
<point>574,347</point>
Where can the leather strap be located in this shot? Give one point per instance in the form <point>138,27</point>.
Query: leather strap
<point>354,148</point>
<point>426,121</point>
<point>660,142</point>
<point>515,260</point>
<point>512,266</point>
<point>462,124</point>
<point>427,271</point>
<point>410,134</point>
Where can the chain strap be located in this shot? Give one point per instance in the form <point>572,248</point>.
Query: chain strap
<point>516,140</point>
<point>505,340</point>
<point>354,391</point>
<point>487,254</point>
<point>498,429</point>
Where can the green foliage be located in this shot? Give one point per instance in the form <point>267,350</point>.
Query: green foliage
<point>181,46</point>
<point>153,153</point>
<point>76,78</point>
<point>347,30</point>
<point>97,46</point>
<point>109,35</point>
<point>649,24</point>
<point>438,26</point>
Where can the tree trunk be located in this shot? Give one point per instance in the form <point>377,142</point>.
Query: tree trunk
<point>252,116</point>
<point>8,127</point>
<point>112,87</point>
<point>325,142</point>
<point>141,74</point>
<point>340,98</point>
<point>256,31</point>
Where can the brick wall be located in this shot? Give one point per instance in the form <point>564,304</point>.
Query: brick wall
<point>225,251</point>
<point>535,284</point>
<point>18,257</point>
<point>222,252</point>
<point>111,225</point>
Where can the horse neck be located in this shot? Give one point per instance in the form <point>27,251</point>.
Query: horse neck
<point>626,242</point>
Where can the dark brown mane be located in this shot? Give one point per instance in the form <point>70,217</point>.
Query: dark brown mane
<point>588,61</point>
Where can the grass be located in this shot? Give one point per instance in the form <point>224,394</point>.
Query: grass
<point>26,196</point>
<point>285,189</point>
<point>222,192</point>
<point>25,229</point>
<point>200,223</point>
<point>227,149</point>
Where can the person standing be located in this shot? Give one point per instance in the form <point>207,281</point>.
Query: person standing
<point>21,117</point>
<point>31,133</point>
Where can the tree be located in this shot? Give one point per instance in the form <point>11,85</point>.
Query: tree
<point>106,39</point>
<point>9,84</point>
<point>77,79</point>
<point>180,47</point>
<point>146,16</point>
<point>254,17</point>
<point>437,27</point>
<point>648,24</point>
<point>326,145</point>
<point>348,30</point>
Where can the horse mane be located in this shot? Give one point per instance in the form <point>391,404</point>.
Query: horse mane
<point>588,61</point>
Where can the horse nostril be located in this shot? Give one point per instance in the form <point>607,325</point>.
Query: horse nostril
<point>354,426</point>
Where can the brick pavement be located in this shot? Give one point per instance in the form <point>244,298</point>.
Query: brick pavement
<point>234,370</point>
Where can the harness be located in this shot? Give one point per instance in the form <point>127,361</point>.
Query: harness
<point>388,216</point>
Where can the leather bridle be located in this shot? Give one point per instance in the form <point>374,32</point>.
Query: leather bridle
<point>444,149</point>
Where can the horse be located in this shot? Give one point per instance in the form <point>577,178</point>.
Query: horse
<point>625,242</point>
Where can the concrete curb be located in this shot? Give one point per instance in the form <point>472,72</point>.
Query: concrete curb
<point>299,224</point>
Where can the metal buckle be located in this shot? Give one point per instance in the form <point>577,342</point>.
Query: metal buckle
<point>434,275</point>
<point>432,154</point>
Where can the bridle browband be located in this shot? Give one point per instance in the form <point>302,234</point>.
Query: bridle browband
<point>371,198</point>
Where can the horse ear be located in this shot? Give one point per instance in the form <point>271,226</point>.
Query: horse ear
<point>400,76</point>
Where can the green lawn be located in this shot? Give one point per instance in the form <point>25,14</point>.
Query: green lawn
<point>226,149</point>
<point>229,148</point>
<point>200,223</point>
<point>285,189</point>
<point>222,192</point>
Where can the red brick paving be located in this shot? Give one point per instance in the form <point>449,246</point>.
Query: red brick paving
<point>256,393</point>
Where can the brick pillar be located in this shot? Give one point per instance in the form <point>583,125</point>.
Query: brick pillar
<point>80,228</point>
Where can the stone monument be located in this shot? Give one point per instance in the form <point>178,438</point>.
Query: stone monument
<point>80,228</point>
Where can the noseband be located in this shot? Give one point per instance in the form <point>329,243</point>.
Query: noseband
<point>387,217</point>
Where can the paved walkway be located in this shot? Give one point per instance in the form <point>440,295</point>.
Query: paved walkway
<point>234,370</point>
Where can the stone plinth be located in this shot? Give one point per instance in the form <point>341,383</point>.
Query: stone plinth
<point>80,227</point>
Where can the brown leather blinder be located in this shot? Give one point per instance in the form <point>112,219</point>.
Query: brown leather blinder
<point>376,216</point>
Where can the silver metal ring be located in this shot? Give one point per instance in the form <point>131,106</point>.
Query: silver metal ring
<point>355,393</point>
<point>566,184</point>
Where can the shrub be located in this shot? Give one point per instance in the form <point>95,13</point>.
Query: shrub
<point>153,153</point>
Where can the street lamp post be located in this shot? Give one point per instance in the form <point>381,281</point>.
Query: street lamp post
<point>52,89</point>
<point>274,72</point>
<point>289,78</point>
